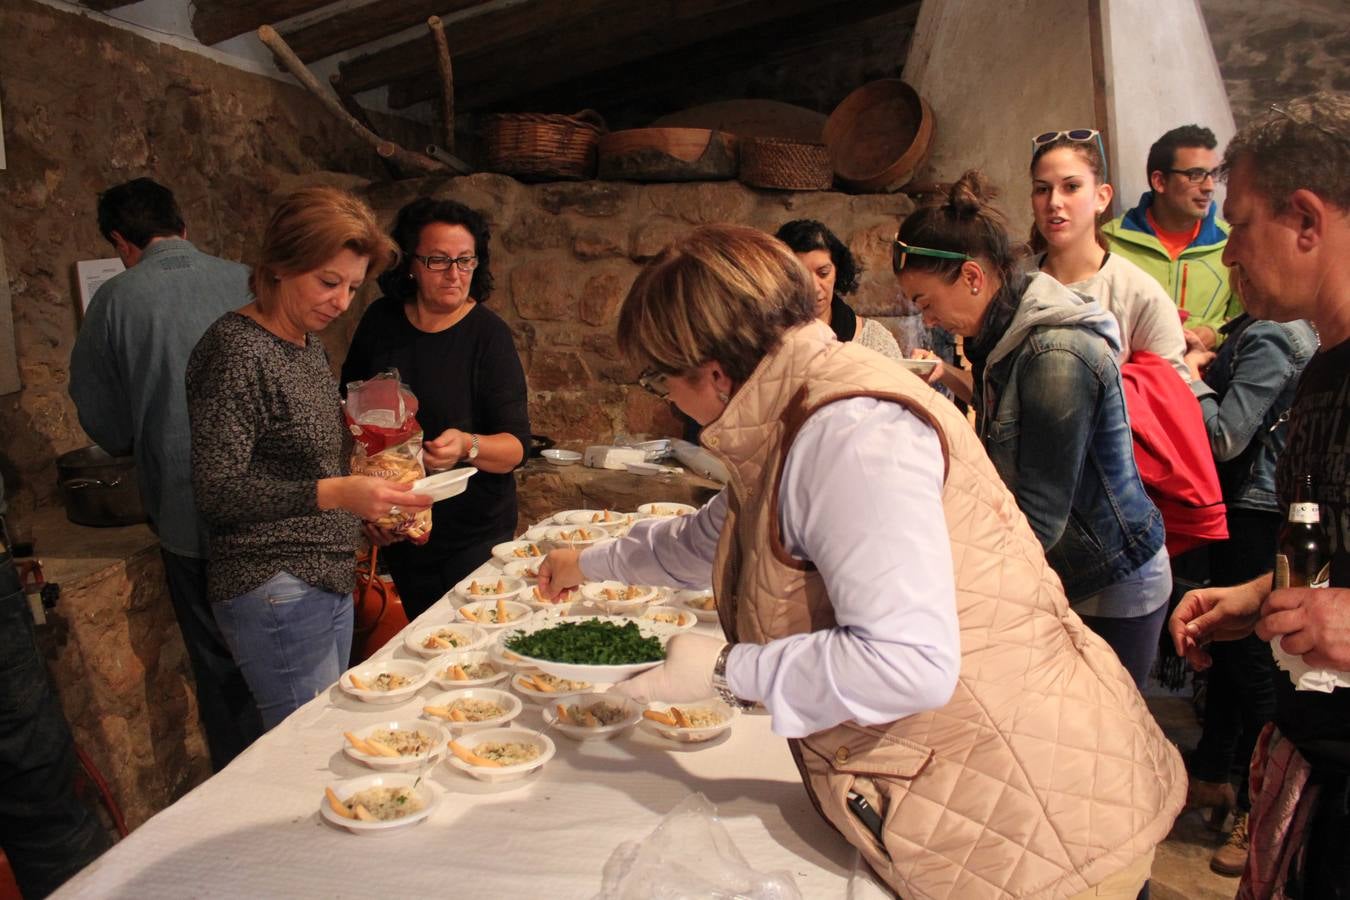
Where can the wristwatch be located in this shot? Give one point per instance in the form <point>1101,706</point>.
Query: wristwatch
<point>719,681</point>
<point>473,447</point>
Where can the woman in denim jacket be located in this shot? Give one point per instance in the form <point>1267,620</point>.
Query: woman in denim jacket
<point>1245,395</point>
<point>1050,412</point>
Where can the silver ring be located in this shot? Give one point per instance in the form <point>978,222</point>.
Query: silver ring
<point>394,510</point>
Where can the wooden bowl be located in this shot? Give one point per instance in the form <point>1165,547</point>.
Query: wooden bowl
<point>879,136</point>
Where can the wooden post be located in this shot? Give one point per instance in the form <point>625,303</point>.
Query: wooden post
<point>288,60</point>
<point>447,80</point>
<point>358,112</point>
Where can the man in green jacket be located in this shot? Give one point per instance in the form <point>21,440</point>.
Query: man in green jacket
<point>1175,235</point>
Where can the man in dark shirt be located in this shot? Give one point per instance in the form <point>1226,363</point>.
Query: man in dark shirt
<point>126,378</point>
<point>1288,208</point>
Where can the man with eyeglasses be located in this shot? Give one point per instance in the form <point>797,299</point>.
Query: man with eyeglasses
<point>1174,233</point>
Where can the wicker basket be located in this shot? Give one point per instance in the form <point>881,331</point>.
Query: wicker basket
<point>542,147</point>
<point>785,165</point>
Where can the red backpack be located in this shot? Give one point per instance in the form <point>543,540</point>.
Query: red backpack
<point>1171,450</point>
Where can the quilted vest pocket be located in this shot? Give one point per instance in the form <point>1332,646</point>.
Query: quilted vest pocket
<point>876,765</point>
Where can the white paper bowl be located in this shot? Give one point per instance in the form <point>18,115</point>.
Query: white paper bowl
<point>475,638</point>
<point>575,536</point>
<point>465,657</point>
<point>429,796</point>
<point>511,586</point>
<point>689,599</point>
<point>681,618</point>
<point>510,704</point>
<point>476,614</point>
<point>561,604</point>
<point>369,671</point>
<point>444,485</point>
<point>494,775</point>
<point>562,516</point>
<point>594,592</point>
<point>666,508</point>
<point>697,734</point>
<point>507,552</point>
<point>561,457</point>
<point>527,570</point>
<point>545,698</point>
<point>632,710</point>
<point>596,517</point>
<point>433,731</point>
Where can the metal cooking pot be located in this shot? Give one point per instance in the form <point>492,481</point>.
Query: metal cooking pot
<point>98,489</point>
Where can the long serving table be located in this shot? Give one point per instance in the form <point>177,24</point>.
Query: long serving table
<point>254,830</point>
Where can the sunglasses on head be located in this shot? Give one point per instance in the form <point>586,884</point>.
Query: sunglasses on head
<point>900,253</point>
<point>655,382</point>
<point>1078,135</point>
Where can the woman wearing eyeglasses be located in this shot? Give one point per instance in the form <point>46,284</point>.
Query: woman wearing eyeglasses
<point>1050,410</point>
<point>882,597</point>
<point>458,358</point>
<point>1069,195</point>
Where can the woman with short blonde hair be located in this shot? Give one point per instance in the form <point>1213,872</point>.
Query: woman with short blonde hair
<point>270,454</point>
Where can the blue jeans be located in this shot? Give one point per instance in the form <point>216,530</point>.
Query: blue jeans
<point>291,640</point>
<point>1130,614</point>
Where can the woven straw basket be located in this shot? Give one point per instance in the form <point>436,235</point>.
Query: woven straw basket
<point>542,146</point>
<point>785,165</point>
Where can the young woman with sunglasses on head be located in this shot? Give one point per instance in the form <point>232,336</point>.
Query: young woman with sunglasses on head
<point>1069,196</point>
<point>1050,412</point>
<point>459,360</point>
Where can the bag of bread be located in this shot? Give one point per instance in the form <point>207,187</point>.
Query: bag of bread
<point>382,415</point>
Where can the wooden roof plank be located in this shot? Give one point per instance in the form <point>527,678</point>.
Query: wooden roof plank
<point>354,27</point>
<point>214,21</point>
<point>558,55</point>
<point>105,5</point>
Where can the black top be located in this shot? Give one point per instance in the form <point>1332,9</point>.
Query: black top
<point>1319,445</point>
<point>266,426</point>
<point>467,377</point>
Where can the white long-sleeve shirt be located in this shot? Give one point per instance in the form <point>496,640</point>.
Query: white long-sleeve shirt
<point>861,498</point>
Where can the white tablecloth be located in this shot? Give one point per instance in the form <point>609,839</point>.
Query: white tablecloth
<point>254,830</point>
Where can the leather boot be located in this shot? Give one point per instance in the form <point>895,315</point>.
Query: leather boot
<point>1231,858</point>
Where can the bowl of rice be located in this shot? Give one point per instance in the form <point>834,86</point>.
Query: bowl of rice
<point>682,619</point>
<point>493,614</point>
<point>466,669</point>
<point>593,716</point>
<point>472,709</point>
<point>434,640</point>
<point>545,689</point>
<point>666,509</point>
<point>387,681</point>
<point>526,570</point>
<point>489,588</point>
<point>577,536</point>
<point>395,746</point>
<point>495,755</point>
<point>701,603</point>
<point>690,723</point>
<point>373,804</point>
<point>616,598</point>
<point>513,550</point>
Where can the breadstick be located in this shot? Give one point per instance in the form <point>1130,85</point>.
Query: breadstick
<point>537,684</point>
<point>357,682</point>
<point>357,743</point>
<point>457,715</point>
<point>663,718</point>
<point>501,610</point>
<point>379,748</point>
<point>457,673</point>
<point>468,614</point>
<point>589,720</point>
<point>680,718</point>
<point>563,715</point>
<point>439,711</point>
<point>474,588</point>
<point>337,805</point>
<point>364,814</point>
<point>501,586</point>
<point>472,758</point>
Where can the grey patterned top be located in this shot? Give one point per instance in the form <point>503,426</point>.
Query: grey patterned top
<point>266,426</point>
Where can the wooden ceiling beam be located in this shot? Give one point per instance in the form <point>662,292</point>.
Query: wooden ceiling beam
<point>214,21</point>
<point>577,47</point>
<point>678,79</point>
<point>345,30</point>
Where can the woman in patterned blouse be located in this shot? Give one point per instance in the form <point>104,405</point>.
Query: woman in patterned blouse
<point>270,454</point>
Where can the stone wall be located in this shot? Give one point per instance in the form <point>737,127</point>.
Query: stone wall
<point>87,106</point>
<point>1270,52</point>
<point>564,255</point>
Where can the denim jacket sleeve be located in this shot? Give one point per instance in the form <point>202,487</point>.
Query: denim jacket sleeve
<point>1258,374</point>
<point>1060,399</point>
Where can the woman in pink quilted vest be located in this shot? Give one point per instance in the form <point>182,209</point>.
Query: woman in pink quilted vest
<point>884,599</point>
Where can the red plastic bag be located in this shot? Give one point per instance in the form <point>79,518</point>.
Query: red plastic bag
<point>382,415</point>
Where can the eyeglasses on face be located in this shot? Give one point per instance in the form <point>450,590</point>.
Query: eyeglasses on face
<point>1079,135</point>
<point>1196,175</point>
<point>655,382</point>
<point>901,252</point>
<point>442,263</point>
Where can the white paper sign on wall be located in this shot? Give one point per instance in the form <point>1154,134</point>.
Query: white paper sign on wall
<point>91,273</point>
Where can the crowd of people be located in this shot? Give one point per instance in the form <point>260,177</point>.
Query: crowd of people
<point>930,612</point>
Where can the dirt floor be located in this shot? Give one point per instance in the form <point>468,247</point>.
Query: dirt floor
<point>1181,869</point>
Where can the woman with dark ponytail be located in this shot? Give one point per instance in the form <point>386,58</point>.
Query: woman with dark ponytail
<point>1049,410</point>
